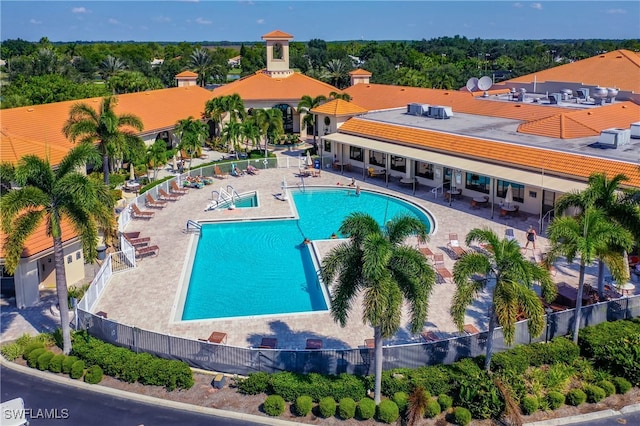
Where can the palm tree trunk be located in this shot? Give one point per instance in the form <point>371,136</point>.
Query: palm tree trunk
<point>492,326</point>
<point>63,294</point>
<point>601,279</point>
<point>377,338</point>
<point>576,320</point>
<point>105,168</point>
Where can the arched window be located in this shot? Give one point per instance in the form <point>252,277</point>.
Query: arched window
<point>277,51</point>
<point>287,117</point>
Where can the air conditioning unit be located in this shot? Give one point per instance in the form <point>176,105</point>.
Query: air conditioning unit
<point>635,130</point>
<point>440,112</point>
<point>613,138</point>
<point>555,98</point>
<point>417,109</point>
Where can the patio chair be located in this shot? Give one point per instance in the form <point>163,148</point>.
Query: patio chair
<point>454,246</point>
<point>151,202</point>
<point>150,251</point>
<point>138,242</point>
<point>268,343</point>
<point>165,196</point>
<point>441,270</point>
<point>136,213</point>
<point>314,344</point>
<point>175,189</point>
<point>426,251</point>
<point>218,173</point>
<point>216,337</point>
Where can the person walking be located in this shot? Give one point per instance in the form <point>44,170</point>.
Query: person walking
<point>531,238</point>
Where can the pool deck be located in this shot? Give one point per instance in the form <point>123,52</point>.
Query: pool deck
<point>148,296</point>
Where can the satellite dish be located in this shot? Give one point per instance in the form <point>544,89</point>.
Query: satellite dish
<point>485,83</point>
<point>472,84</point>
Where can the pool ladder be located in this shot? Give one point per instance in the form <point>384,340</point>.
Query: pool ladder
<point>224,196</point>
<point>193,226</point>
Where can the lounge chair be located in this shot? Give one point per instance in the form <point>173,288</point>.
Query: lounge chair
<point>175,189</point>
<point>164,195</point>
<point>151,202</point>
<point>216,337</point>
<point>454,245</point>
<point>441,270</point>
<point>151,251</point>
<point>314,344</point>
<point>430,336</point>
<point>218,173</point>
<point>136,213</point>
<point>236,171</point>
<point>470,329</point>
<point>138,242</point>
<point>252,170</point>
<point>426,251</point>
<point>268,343</point>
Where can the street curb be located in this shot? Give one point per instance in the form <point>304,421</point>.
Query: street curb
<point>598,415</point>
<point>142,398</point>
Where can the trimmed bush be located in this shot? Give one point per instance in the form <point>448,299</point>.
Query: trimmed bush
<point>327,407</point>
<point>555,400</point>
<point>274,405</point>
<point>576,397</point>
<point>346,408</point>
<point>622,385</point>
<point>461,416</point>
<point>77,369</point>
<point>366,408</point>
<point>530,405</point>
<point>32,359</point>
<point>445,401</point>
<point>67,363</point>
<point>594,393</point>
<point>402,400</point>
<point>388,411</point>
<point>93,375</point>
<point>43,360</point>
<point>254,384</point>
<point>30,347</point>
<point>608,387</point>
<point>303,405</point>
<point>433,409</point>
<point>55,364</point>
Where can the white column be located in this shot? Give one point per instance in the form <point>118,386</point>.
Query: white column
<point>27,284</point>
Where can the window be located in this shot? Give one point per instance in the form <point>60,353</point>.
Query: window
<point>517,190</point>
<point>355,153</point>
<point>478,183</point>
<point>398,164</point>
<point>277,51</point>
<point>424,170</point>
<point>78,255</point>
<point>287,117</point>
<point>69,259</point>
<point>376,158</point>
<point>327,145</point>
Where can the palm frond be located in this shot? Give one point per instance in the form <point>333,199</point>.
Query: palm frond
<point>21,227</point>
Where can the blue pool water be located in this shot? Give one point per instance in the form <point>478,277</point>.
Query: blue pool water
<point>243,202</point>
<point>260,267</point>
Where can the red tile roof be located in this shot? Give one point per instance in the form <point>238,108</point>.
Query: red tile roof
<point>359,71</point>
<point>187,74</point>
<point>338,107</point>
<point>39,241</point>
<point>277,34</point>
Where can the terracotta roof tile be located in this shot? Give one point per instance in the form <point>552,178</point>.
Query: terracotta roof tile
<point>187,74</point>
<point>39,241</point>
<point>339,107</point>
<point>359,71</point>
<point>530,158</point>
<point>277,34</point>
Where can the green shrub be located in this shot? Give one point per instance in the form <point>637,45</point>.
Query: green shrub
<point>402,400</point>
<point>43,360</point>
<point>445,401</point>
<point>67,363</point>
<point>327,407</point>
<point>608,387</point>
<point>461,416</point>
<point>576,397</point>
<point>32,359</point>
<point>12,351</point>
<point>435,379</point>
<point>254,384</point>
<point>433,409</point>
<point>594,393</point>
<point>31,347</point>
<point>93,375</point>
<point>303,405</point>
<point>55,364</point>
<point>347,386</point>
<point>555,399</point>
<point>346,408</point>
<point>530,405</point>
<point>366,408</point>
<point>388,411</point>
<point>622,385</point>
<point>396,380</point>
<point>274,405</point>
<point>77,369</point>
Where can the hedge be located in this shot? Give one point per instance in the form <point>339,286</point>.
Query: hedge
<point>388,411</point>
<point>366,408</point>
<point>346,408</point>
<point>576,397</point>
<point>303,405</point>
<point>327,407</point>
<point>432,409</point>
<point>274,405</point>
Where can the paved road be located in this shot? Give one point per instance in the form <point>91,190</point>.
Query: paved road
<point>623,419</point>
<point>71,406</point>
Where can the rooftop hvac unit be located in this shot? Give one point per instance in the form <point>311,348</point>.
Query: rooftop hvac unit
<point>613,138</point>
<point>582,94</point>
<point>566,94</point>
<point>417,109</point>
<point>441,112</point>
<point>635,130</point>
<point>555,98</point>
<point>520,94</point>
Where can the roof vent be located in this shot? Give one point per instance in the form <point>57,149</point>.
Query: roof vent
<point>417,109</point>
<point>582,94</point>
<point>614,138</point>
<point>635,130</point>
<point>611,94</point>
<point>600,95</point>
<point>441,112</point>
<point>566,94</point>
<point>555,98</point>
<point>520,94</point>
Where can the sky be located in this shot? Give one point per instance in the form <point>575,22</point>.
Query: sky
<point>248,20</point>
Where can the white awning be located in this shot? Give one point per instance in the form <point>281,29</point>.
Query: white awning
<point>524,177</point>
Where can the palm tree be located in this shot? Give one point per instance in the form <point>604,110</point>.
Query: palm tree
<point>376,265</point>
<point>231,134</point>
<point>234,105</point>
<point>111,131</point>
<point>270,124</point>
<point>337,71</point>
<point>215,110</point>
<point>200,60</point>
<point>513,275</point>
<point>250,131</point>
<point>590,235</point>
<point>192,134</point>
<point>607,196</point>
<point>343,96</point>
<point>52,197</point>
<point>110,67</point>
<point>157,156</point>
<point>306,104</point>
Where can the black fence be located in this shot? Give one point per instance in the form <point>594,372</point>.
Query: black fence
<point>359,361</point>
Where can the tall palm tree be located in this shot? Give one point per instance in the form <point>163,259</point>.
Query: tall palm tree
<point>376,265</point>
<point>270,124</point>
<point>113,133</point>
<point>192,134</point>
<point>514,276</point>
<point>343,96</point>
<point>606,195</point>
<point>111,66</point>
<point>337,71</point>
<point>52,197</point>
<point>200,60</point>
<point>589,235</point>
<point>306,104</point>
<point>215,110</point>
<point>231,134</point>
<point>234,105</point>
<point>157,155</point>
<point>250,131</point>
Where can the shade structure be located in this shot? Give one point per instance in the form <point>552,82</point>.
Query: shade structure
<point>508,197</point>
<point>308,161</point>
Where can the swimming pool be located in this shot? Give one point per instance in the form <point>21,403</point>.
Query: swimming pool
<point>260,267</point>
